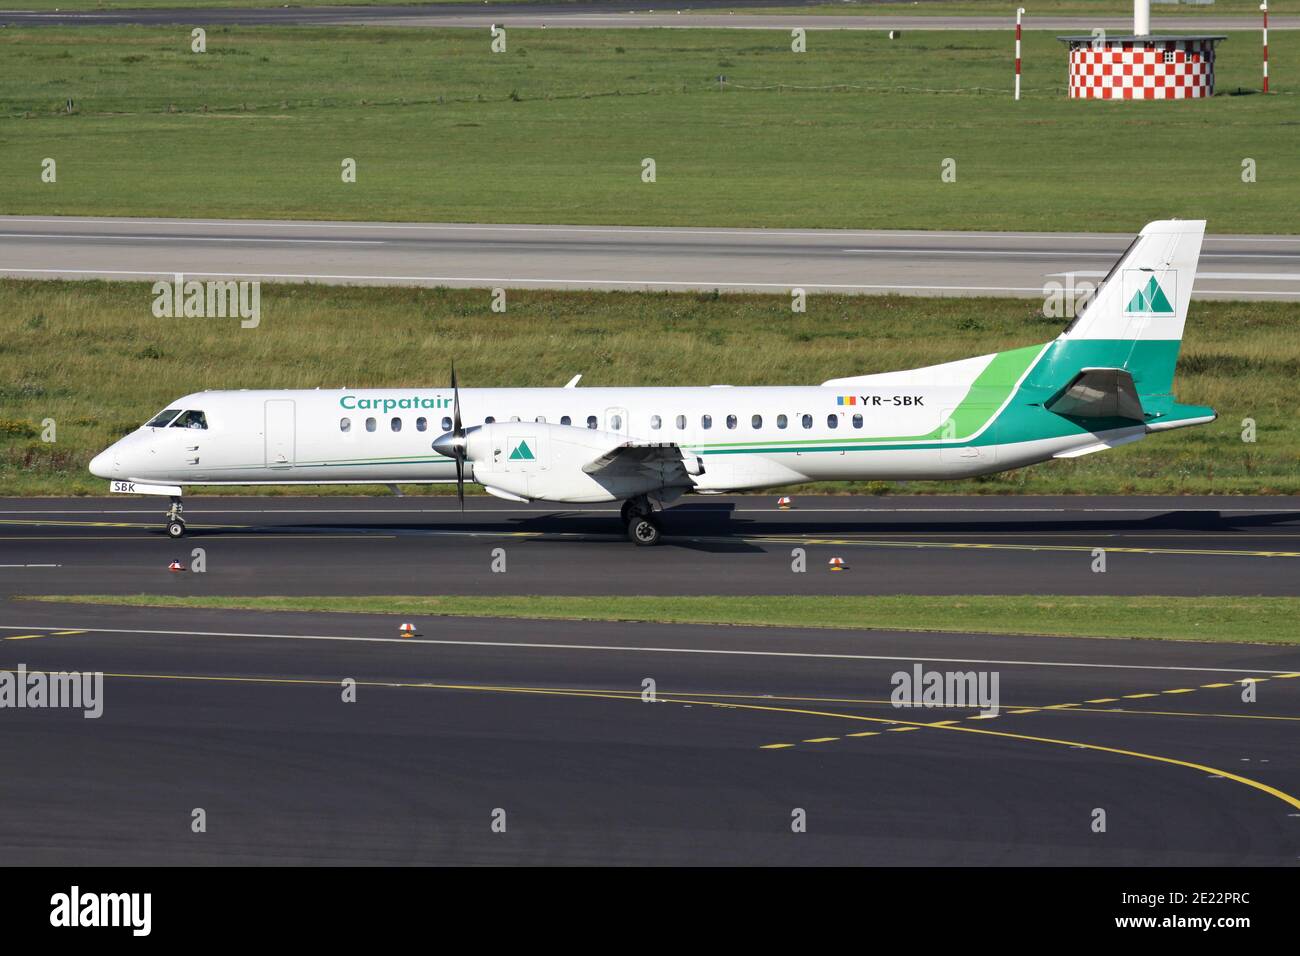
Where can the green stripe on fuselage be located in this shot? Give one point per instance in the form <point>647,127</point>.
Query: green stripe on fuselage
<point>1020,417</point>
<point>987,393</point>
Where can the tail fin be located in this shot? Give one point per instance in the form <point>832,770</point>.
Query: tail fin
<point>1134,321</point>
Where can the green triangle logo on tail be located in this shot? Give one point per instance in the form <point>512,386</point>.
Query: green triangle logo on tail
<point>522,453</point>
<point>1150,298</point>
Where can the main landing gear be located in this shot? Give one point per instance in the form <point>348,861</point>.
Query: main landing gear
<point>175,519</point>
<point>640,521</point>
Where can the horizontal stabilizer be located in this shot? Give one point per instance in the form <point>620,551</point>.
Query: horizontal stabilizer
<point>1099,393</point>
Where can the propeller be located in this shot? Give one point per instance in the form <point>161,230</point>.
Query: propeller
<point>452,443</point>
<point>458,439</point>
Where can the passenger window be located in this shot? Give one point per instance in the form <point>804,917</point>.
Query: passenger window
<point>446,423</point>
<point>756,421</point>
<point>371,424</point>
<point>616,423</point>
<point>806,421</point>
<point>422,424</point>
<point>541,419</point>
<point>487,421</point>
<point>514,418</point>
<point>190,420</point>
<point>656,421</point>
<point>857,420</point>
<point>706,421</point>
<point>731,421</point>
<point>591,421</point>
<point>396,424</point>
<point>832,420</point>
<point>162,419</point>
<point>681,423</point>
<point>345,424</point>
<point>566,420</point>
<point>782,421</point>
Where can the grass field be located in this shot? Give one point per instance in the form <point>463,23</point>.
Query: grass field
<point>1260,620</point>
<point>925,8</point>
<point>1000,8</point>
<point>851,134</point>
<point>91,356</point>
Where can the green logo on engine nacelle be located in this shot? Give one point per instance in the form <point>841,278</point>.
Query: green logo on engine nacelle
<point>521,452</point>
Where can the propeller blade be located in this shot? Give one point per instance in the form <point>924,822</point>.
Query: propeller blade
<point>458,439</point>
<point>460,482</point>
<point>455,404</point>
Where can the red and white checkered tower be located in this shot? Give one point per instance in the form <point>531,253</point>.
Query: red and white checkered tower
<point>1141,66</point>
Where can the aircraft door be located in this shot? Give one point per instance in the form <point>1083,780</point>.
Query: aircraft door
<point>963,453</point>
<point>280,433</point>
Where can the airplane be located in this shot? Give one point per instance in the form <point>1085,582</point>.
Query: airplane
<point>1105,381</point>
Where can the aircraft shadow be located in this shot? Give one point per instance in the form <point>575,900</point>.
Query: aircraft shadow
<point>717,528</point>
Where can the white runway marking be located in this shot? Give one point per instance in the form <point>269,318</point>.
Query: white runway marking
<point>521,281</point>
<point>507,281</point>
<point>640,649</point>
<point>1255,276</point>
<point>499,280</point>
<point>1246,292</point>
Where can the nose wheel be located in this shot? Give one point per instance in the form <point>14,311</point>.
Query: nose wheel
<point>175,520</point>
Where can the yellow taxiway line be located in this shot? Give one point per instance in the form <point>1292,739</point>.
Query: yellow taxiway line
<point>943,727</point>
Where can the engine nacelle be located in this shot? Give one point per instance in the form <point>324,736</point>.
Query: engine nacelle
<point>541,461</point>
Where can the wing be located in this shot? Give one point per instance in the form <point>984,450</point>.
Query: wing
<point>664,460</point>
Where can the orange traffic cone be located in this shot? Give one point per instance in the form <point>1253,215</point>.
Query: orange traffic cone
<point>175,566</point>
<point>837,564</point>
<point>783,503</point>
<point>407,630</point>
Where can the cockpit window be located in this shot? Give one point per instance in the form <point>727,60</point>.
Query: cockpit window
<point>190,419</point>
<point>162,418</point>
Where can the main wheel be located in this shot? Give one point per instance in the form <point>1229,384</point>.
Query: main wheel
<point>634,507</point>
<point>643,531</point>
<point>176,529</point>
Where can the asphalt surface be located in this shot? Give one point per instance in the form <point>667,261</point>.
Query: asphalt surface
<point>712,545</point>
<point>616,257</point>
<point>616,15</point>
<point>241,714</point>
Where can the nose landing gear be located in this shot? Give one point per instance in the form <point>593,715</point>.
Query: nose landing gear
<point>639,519</point>
<point>175,519</point>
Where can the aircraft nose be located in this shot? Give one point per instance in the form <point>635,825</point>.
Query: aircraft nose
<point>104,465</point>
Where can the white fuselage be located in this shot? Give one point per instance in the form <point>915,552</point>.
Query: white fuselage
<point>747,437</point>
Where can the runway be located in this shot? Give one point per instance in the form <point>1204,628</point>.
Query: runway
<point>616,257</point>
<point>713,545</point>
<point>750,733</point>
<point>614,15</point>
